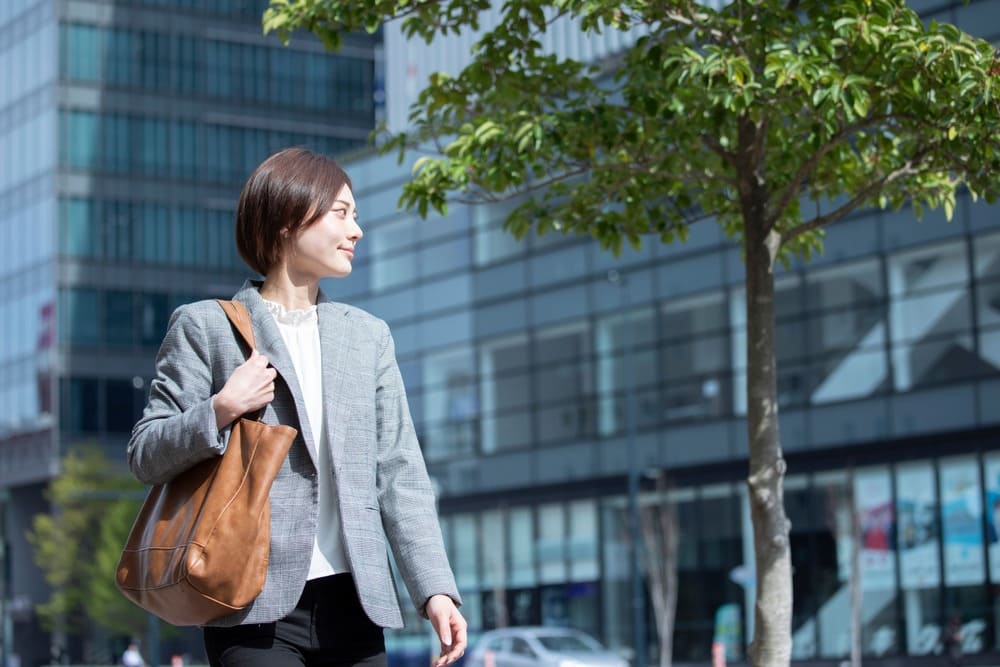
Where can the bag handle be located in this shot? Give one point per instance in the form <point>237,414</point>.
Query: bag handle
<point>238,315</point>
<point>240,318</point>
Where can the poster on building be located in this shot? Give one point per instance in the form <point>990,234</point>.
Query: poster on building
<point>961,522</point>
<point>917,529</point>
<point>873,500</point>
<point>992,474</point>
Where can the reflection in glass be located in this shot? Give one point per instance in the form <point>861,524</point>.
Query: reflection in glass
<point>822,547</point>
<point>694,362</point>
<point>551,545</point>
<point>563,382</point>
<point>877,530</point>
<point>919,558</point>
<point>846,331</point>
<point>931,317</point>
<point>450,402</point>
<point>617,338</point>
<point>503,385</point>
<point>521,527</point>
<point>962,534</point>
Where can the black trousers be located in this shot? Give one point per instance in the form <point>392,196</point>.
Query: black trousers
<point>328,627</point>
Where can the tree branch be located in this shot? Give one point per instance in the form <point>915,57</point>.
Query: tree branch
<point>909,169</point>
<point>794,186</point>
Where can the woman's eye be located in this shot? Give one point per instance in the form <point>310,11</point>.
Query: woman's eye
<point>341,212</point>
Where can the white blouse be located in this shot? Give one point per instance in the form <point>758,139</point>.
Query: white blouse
<point>300,331</point>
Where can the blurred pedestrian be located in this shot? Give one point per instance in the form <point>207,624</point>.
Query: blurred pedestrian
<point>951,640</point>
<point>354,480</point>
<point>131,657</point>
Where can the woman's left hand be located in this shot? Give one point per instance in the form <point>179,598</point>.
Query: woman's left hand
<point>450,627</point>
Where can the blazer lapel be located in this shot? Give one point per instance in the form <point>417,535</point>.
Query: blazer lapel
<point>334,338</point>
<point>272,345</point>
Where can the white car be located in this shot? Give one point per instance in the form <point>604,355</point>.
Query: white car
<point>541,647</point>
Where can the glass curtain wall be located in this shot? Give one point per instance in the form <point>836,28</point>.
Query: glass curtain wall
<point>923,535</point>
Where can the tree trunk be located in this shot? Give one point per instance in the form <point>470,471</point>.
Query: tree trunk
<point>772,641</point>
<point>855,579</point>
<point>659,536</point>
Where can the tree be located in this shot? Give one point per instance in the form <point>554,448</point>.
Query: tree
<point>773,118</point>
<point>77,545</point>
<point>660,535</point>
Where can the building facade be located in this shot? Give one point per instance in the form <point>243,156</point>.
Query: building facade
<point>126,130</point>
<point>523,361</point>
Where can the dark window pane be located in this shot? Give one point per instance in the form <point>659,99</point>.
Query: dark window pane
<point>118,319</point>
<point>119,406</point>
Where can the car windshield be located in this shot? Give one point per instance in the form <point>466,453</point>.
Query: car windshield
<point>565,643</point>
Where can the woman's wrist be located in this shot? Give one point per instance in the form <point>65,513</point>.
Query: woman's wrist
<point>225,412</point>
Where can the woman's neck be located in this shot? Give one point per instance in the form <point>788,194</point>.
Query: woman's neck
<point>280,288</point>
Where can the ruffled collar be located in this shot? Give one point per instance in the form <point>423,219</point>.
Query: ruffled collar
<point>292,317</point>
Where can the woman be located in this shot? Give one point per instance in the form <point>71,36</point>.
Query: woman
<point>354,477</point>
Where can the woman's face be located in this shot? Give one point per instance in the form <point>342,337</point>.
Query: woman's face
<point>325,249</point>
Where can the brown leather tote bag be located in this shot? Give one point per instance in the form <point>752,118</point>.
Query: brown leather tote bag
<point>199,547</point>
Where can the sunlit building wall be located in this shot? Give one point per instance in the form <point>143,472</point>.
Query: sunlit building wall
<point>127,128</point>
<point>521,359</point>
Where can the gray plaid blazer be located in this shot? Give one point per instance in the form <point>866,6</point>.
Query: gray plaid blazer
<point>382,484</point>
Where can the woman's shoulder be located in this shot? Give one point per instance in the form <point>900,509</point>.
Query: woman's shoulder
<point>202,314</point>
<point>360,315</point>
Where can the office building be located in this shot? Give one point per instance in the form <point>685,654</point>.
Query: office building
<point>126,130</point>
<point>523,360</point>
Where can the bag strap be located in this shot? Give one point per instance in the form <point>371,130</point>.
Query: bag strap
<point>238,315</point>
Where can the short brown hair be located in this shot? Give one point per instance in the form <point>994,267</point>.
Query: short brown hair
<point>289,190</point>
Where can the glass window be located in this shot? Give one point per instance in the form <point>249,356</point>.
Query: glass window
<point>876,519</point>
<point>930,315</point>
<point>521,648</point>
<point>79,322</point>
<point>394,271</point>
<point>694,362</point>
<point>464,556</point>
<point>520,525</point>
<point>505,393</point>
<point>988,300</point>
<point>563,377</point>
<point>846,330</point>
<point>616,595</point>
<point>78,409</point>
<point>185,242</point>
<point>116,224</point>
<point>833,544</point>
<point>154,314</point>
<point>82,56</point>
<point>120,413</point>
<point>154,231</point>
<point>492,243</point>
<point>79,139</point>
<point>692,634</point>
<point>962,534</point>
<point>551,545</point>
<point>118,318</point>
<point>450,405</point>
<point>493,548</point>
<point>583,541</point>
<point>618,338</point>
<point>79,236</point>
<point>919,558</point>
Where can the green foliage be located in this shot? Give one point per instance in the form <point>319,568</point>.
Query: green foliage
<point>78,543</point>
<point>738,115</point>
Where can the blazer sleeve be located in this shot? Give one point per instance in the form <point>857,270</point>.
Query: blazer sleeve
<point>406,498</point>
<point>177,428</point>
